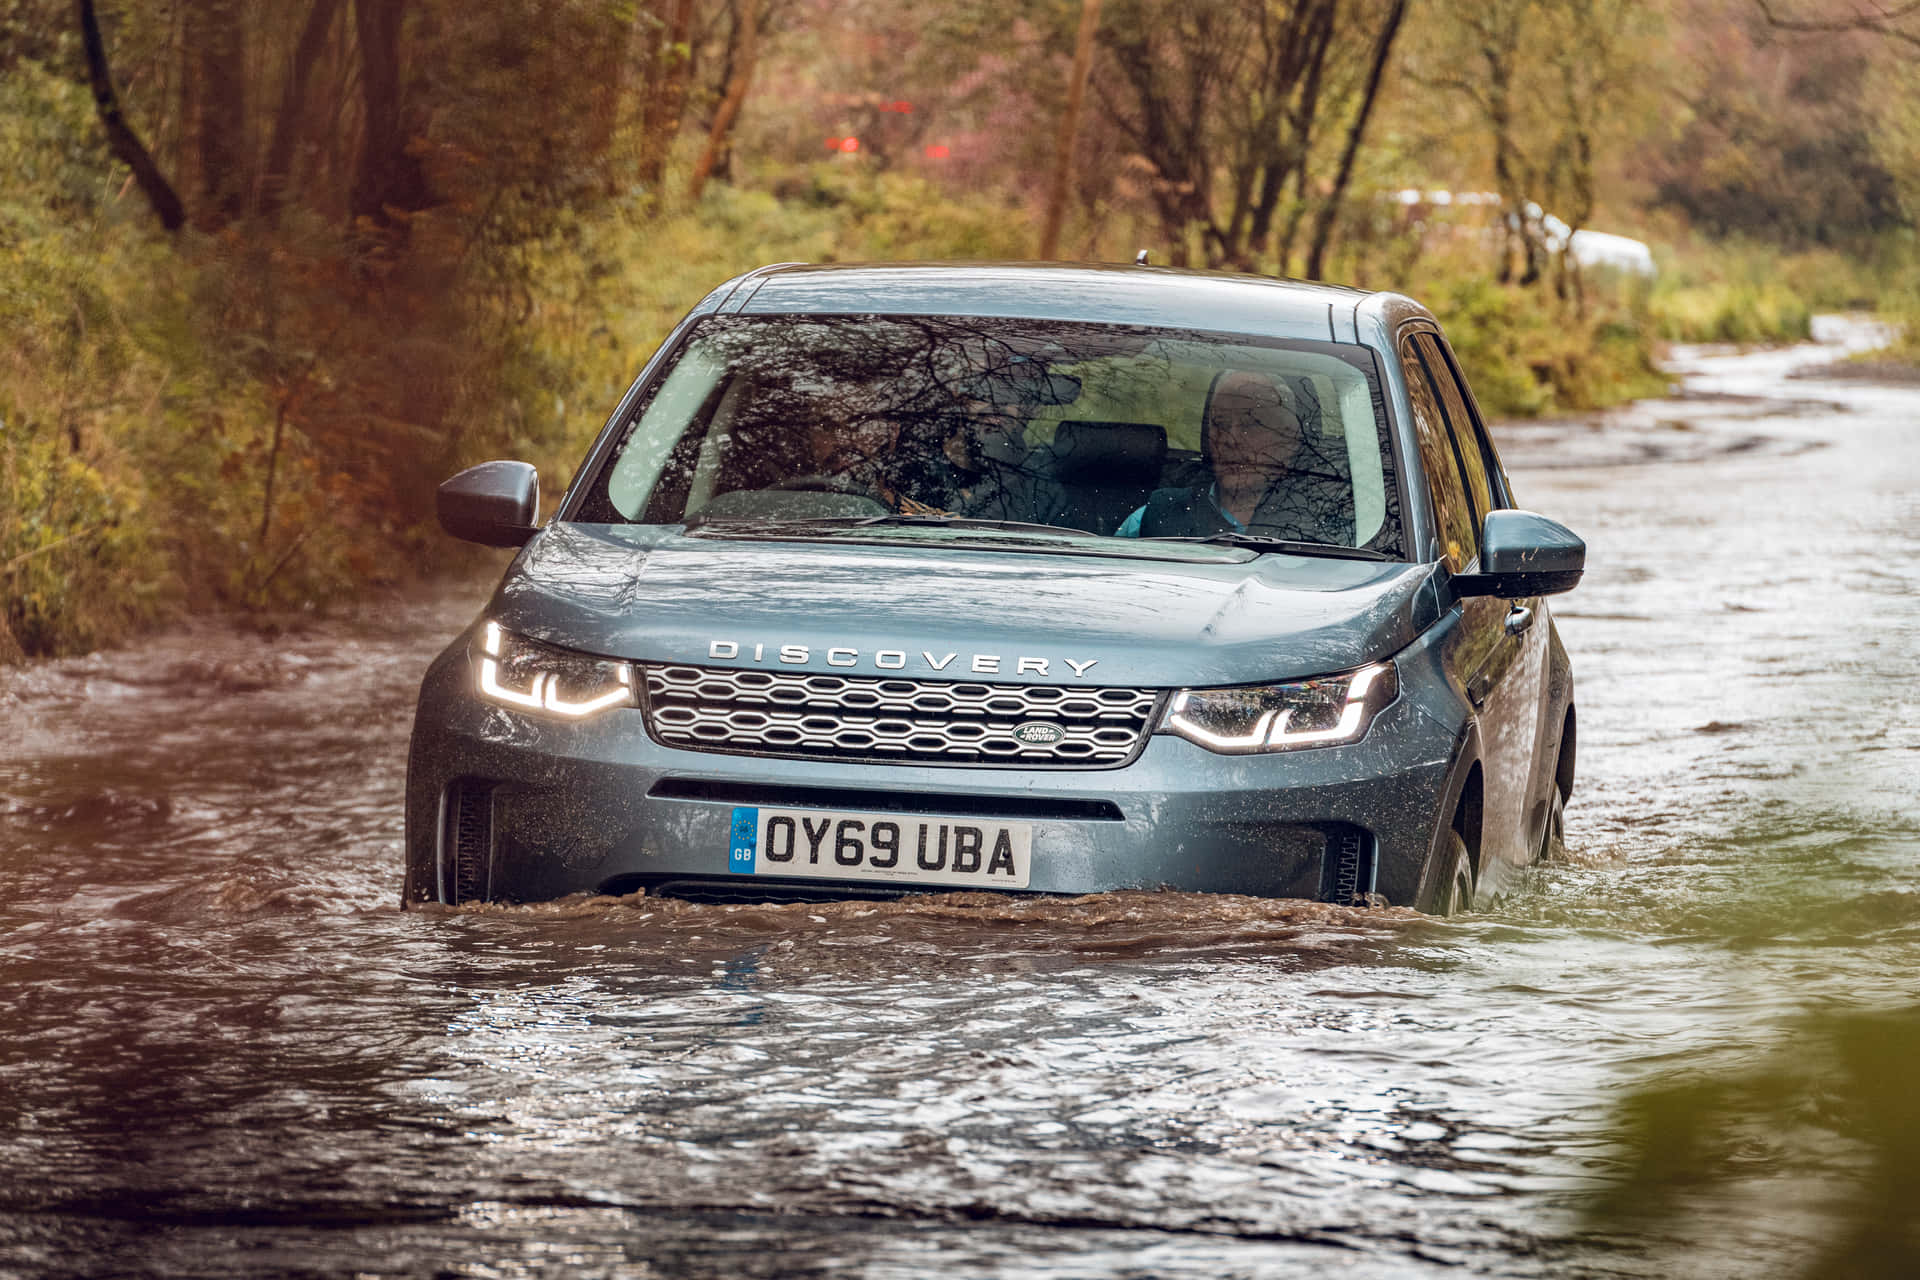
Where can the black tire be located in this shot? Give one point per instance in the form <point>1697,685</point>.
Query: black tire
<point>1453,895</point>
<point>1553,834</point>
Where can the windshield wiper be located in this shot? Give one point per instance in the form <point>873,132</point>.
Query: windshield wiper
<point>953,522</point>
<point>1267,542</point>
<point>826,524</point>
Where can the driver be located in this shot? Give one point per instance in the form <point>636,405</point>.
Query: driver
<point>850,454</point>
<point>856,458</point>
<point>1249,435</point>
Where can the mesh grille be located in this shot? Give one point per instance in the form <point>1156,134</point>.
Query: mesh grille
<point>469,840</point>
<point>872,719</point>
<point>1348,875</point>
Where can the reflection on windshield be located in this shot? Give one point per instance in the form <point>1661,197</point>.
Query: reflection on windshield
<point>1100,430</point>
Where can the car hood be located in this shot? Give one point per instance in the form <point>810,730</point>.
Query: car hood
<point>947,612</point>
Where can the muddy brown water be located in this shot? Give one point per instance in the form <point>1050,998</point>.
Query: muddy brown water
<point>225,1051</point>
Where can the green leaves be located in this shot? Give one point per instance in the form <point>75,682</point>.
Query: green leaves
<point>1823,1125</point>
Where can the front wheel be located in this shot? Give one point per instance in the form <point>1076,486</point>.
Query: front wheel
<point>1454,894</point>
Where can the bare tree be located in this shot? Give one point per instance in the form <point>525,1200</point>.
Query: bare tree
<point>667,68</point>
<point>216,100</point>
<point>745,51</point>
<point>1224,100</point>
<point>1069,129</point>
<point>277,170</point>
<point>1330,207</point>
<point>126,144</point>
<point>388,178</point>
<point>1483,62</point>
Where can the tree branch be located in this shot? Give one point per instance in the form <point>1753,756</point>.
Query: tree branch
<point>293,99</point>
<point>125,143</point>
<point>1330,207</point>
<point>1879,21</point>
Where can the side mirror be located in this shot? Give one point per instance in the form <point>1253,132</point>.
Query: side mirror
<point>494,504</point>
<point>1523,554</point>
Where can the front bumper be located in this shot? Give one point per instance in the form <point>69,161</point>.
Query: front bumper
<point>502,805</point>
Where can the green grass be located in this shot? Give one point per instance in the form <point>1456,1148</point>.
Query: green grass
<point>1746,292</point>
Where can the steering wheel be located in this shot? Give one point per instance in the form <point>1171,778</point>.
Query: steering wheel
<point>841,485</point>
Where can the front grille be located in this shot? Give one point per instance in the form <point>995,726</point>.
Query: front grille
<point>874,719</point>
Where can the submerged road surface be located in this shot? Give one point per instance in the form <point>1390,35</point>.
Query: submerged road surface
<point>225,1051</point>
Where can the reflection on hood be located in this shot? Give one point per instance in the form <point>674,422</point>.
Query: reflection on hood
<point>655,594</point>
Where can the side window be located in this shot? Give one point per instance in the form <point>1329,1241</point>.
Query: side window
<point>1472,457</point>
<point>1458,539</point>
<point>1457,384</point>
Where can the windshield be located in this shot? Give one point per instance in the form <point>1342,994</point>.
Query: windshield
<point>843,425</point>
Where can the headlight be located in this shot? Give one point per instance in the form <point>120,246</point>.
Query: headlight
<point>1323,712</point>
<point>517,672</point>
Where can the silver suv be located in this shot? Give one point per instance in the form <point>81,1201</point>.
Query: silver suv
<point>1035,579</point>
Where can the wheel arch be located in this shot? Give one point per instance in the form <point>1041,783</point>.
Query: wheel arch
<point>1460,809</point>
<point>1563,769</point>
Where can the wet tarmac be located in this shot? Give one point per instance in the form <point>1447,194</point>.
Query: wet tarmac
<point>226,1051</point>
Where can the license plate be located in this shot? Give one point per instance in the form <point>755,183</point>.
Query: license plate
<point>973,853</point>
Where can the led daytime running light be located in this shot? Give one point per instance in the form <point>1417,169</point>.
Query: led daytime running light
<point>1251,740</point>
<point>1269,730</point>
<point>1350,716</point>
<point>544,695</point>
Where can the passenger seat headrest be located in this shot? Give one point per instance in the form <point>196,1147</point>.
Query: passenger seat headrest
<point>1115,453</point>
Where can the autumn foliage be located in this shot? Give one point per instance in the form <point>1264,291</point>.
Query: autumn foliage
<point>273,271</point>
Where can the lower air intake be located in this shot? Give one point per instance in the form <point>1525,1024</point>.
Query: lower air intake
<point>467,845</point>
<point>1347,874</point>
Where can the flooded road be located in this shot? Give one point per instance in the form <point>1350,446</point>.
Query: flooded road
<point>227,1052</point>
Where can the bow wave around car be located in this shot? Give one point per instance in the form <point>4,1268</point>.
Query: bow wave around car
<point>1037,579</point>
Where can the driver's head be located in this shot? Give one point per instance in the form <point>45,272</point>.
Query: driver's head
<point>1251,433</point>
<point>838,447</point>
<point>982,435</point>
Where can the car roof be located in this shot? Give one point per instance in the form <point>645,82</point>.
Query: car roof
<point>1158,296</point>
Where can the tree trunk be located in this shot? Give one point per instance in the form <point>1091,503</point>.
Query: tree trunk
<point>1172,143</point>
<point>1314,36</point>
<point>1330,208</point>
<point>737,86</point>
<point>607,82</point>
<point>278,170</point>
<point>215,33</point>
<point>126,144</point>
<point>669,66</point>
<point>1069,128</point>
<point>387,180</point>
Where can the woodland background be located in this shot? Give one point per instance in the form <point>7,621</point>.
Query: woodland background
<point>270,271</point>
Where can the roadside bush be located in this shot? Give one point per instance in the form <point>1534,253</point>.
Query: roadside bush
<point>1900,304</point>
<point>1732,313</point>
<point>1529,352</point>
<point>78,545</point>
<point>1751,292</point>
<point>1737,291</point>
<point>258,423</point>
